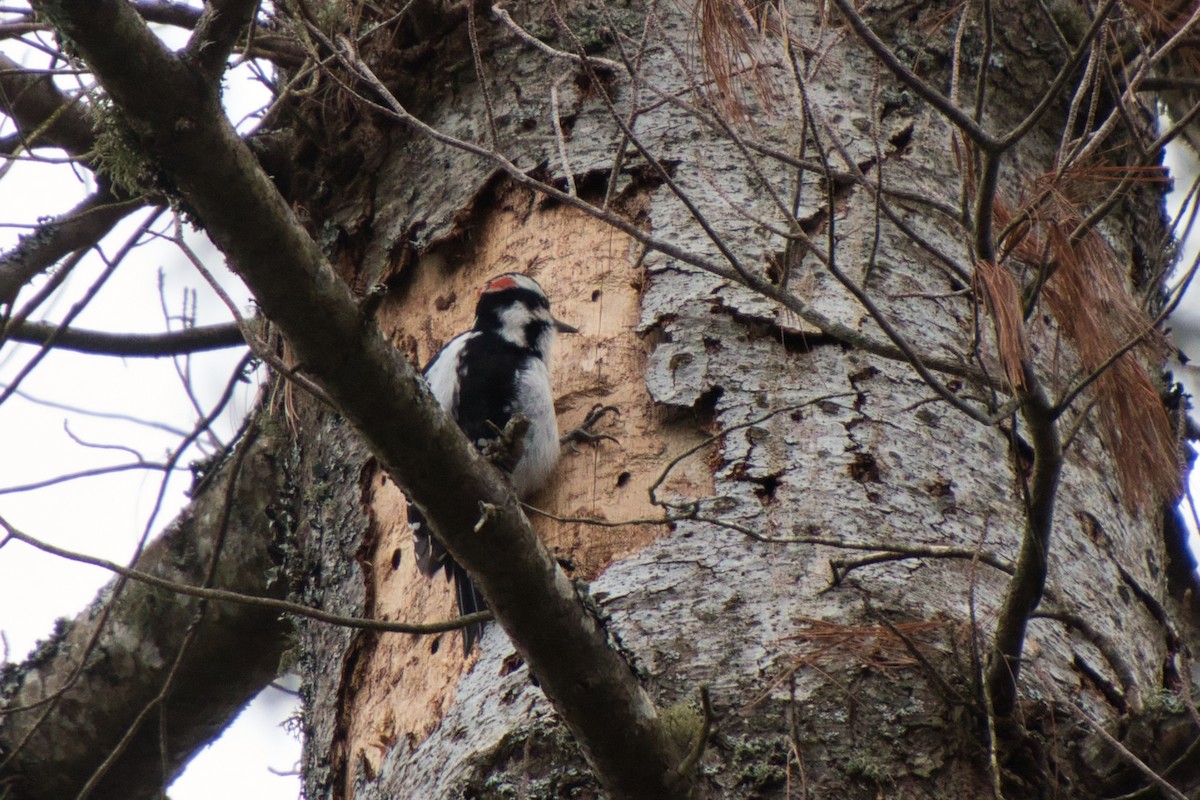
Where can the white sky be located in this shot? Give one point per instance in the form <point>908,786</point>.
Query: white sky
<point>106,516</point>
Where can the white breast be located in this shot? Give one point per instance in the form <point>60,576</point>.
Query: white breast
<point>541,443</point>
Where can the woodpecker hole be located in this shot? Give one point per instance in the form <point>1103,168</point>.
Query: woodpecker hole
<point>435,644</point>
<point>596,295</point>
<point>864,468</point>
<point>511,663</point>
<point>766,488</point>
<point>864,374</point>
<point>396,558</point>
<point>940,488</point>
<point>901,139</point>
<point>706,406</point>
<point>623,479</point>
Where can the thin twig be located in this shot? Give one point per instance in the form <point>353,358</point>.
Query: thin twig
<point>82,303</point>
<point>261,349</point>
<point>836,330</point>
<point>223,596</point>
<point>94,472</point>
<point>537,44</point>
<point>561,139</point>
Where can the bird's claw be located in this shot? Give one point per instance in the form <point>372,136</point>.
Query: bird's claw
<point>584,433</point>
<point>506,449</point>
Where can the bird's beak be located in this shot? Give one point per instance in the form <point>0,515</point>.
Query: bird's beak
<point>563,327</point>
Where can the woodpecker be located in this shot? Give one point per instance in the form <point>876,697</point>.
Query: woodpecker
<point>483,378</point>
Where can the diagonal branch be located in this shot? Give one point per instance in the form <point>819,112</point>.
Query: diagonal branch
<point>588,681</point>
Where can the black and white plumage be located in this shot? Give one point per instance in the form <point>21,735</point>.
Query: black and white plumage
<point>483,378</point>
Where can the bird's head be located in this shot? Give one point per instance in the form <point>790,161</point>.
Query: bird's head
<point>515,307</point>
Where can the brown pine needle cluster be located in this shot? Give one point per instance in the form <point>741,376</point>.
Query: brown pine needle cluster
<point>1004,303</point>
<point>728,34</point>
<point>881,647</point>
<point>1083,286</point>
<point>1100,317</point>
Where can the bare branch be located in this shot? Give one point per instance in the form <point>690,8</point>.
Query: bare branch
<point>45,116</point>
<point>1126,755</point>
<point>217,30</point>
<point>166,12</point>
<point>80,228</point>
<point>162,426</point>
<point>86,473</point>
<point>537,44</point>
<point>79,305</point>
<point>129,345</point>
<point>952,112</point>
<point>261,349</point>
<point>760,284</point>
<point>1028,582</point>
<point>52,755</point>
<point>242,599</point>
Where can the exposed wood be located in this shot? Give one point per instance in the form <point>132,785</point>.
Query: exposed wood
<point>403,685</point>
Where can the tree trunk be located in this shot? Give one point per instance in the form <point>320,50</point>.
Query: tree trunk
<point>841,547</point>
<point>178,666</point>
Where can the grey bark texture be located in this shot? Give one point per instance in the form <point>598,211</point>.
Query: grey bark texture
<point>845,658</point>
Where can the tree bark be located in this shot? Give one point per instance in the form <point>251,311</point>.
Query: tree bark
<point>830,461</point>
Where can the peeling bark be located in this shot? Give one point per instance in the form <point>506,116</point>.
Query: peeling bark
<point>811,677</point>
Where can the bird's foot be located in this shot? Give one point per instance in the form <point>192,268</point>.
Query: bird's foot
<point>584,432</point>
<point>509,445</point>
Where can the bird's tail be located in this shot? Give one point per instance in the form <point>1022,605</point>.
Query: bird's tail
<point>431,556</point>
<point>469,601</point>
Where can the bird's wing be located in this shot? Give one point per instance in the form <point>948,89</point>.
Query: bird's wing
<point>442,376</point>
<point>442,372</point>
<point>445,378</point>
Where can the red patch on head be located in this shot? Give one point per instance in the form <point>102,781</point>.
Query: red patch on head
<point>500,284</point>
